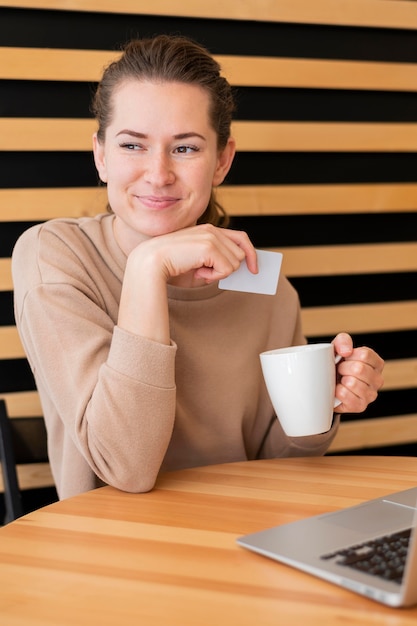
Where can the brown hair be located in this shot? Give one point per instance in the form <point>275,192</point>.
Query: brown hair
<point>172,59</point>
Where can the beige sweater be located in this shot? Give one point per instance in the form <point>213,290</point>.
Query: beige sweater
<point>103,390</point>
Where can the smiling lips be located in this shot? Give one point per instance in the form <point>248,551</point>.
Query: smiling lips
<point>158,202</point>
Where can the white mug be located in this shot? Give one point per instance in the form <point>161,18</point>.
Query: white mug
<point>301,384</point>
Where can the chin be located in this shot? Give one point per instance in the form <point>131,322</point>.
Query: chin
<point>158,229</point>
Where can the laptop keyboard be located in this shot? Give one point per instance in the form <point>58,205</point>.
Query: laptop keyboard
<point>384,557</point>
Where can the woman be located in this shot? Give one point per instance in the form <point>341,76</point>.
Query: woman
<point>142,363</point>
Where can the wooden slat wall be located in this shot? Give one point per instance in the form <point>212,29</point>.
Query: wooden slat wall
<point>65,135</point>
<point>374,13</point>
<point>326,170</point>
<point>86,65</point>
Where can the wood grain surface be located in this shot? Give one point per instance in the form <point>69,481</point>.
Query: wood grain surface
<point>169,557</point>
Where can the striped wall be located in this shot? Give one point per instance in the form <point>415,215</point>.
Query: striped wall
<point>326,169</point>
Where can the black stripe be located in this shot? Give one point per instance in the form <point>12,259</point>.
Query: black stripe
<point>15,375</point>
<point>356,289</point>
<point>21,98</point>
<point>107,31</point>
<point>293,230</point>
<point>9,232</point>
<point>275,168</point>
<point>390,345</point>
<point>325,105</point>
<point>6,308</point>
<point>61,99</point>
<point>47,169</point>
<point>317,230</point>
<point>395,402</point>
<point>76,169</point>
<point>408,449</point>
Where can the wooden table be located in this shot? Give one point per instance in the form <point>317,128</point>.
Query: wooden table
<point>169,557</point>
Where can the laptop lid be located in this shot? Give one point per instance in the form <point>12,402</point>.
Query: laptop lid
<point>303,544</point>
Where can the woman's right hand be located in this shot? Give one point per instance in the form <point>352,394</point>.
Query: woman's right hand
<point>188,257</point>
<point>207,252</point>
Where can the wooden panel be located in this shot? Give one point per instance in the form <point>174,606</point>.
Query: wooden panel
<point>87,65</point>
<point>326,320</point>
<point>400,374</point>
<point>325,137</point>
<point>349,259</point>
<point>5,275</point>
<point>319,74</point>
<point>314,199</point>
<point>372,433</point>
<point>360,318</point>
<point>42,204</point>
<point>75,134</point>
<point>53,64</point>
<point>46,134</point>
<point>32,476</point>
<point>394,14</point>
<point>319,260</point>
<point>22,404</point>
<point>10,344</point>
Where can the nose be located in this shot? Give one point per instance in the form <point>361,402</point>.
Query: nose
<point>159,170</point>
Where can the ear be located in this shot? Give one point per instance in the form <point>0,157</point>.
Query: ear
<point>224,162</point>
<point>99,158</point>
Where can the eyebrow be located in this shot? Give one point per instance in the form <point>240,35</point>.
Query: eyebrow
<point>138,135</point>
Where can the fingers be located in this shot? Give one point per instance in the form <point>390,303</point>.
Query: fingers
<point>343,344</point>
<point>219,252</point>
<point>360,377</point>
<point>209,252</point>
<point>242,240</point>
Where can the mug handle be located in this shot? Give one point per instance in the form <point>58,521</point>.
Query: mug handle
<point>337,359</point>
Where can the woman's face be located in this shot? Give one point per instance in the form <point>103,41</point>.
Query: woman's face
<point>159,159</point>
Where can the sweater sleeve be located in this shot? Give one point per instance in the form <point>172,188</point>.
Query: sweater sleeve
<point>113,392</point>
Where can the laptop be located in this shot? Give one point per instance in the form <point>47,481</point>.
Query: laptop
<point>349,547</point>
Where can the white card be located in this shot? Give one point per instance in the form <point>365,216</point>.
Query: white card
<point>265,281</point>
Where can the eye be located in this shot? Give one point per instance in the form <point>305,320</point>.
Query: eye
<point>131,146</point>
<point>186,149</point>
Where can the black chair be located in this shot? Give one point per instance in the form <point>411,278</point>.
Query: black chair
<point>23,442</point>
<point>12,494</point>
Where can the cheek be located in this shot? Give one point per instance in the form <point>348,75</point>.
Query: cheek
<point>203,178</point>
<point>202,187</point>
<point>120,173</point>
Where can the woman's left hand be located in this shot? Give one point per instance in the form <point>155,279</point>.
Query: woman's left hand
<point>359,375</point>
